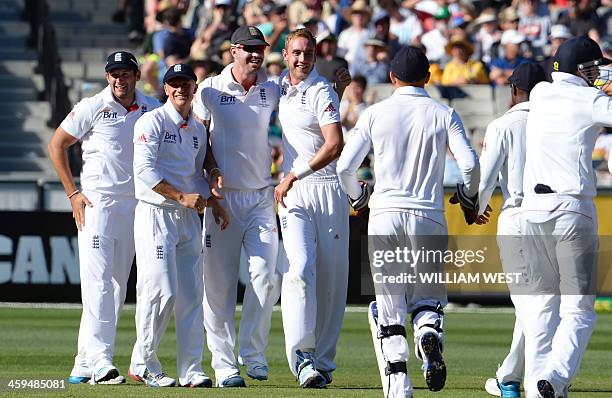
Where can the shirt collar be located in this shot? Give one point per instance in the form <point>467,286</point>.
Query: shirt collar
<point>411,90</point>
<point>304,84</point>
<point>176,117</point>
<point>558,77</point>
<point>230,83</point>
<point>523,106</point>
<point>109,98</point>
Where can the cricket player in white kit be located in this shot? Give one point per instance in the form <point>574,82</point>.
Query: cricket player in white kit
<point>236,105</point>
<point>169,152</point>
<point>408,133</point>
<point>314,215</point>
<point>503,159</point>
<point>558,216</point>
<point>103,209</point>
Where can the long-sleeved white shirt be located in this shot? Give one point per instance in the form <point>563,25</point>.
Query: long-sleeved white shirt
<point>503,155</point>
<point>409,133</point>
<point>166,147</point>
<point>564,120</point>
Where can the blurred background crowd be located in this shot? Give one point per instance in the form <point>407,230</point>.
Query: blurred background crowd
<point>466,41</point>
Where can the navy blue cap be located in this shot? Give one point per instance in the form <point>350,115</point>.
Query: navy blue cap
<point>527,75</point>
<point>121,59</point>
<point>410,64</point>
<point>180,70</point>
<point>576,52</point>
<point>248,36</point>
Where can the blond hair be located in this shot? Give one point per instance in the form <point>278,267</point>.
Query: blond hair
<point>302,32</point>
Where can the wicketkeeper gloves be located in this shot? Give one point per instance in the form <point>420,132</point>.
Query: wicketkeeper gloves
<point>361,203</point>
<point>469,205</point>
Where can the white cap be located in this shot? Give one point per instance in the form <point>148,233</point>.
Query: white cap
<point>512,37</point>
<point>560,32</point>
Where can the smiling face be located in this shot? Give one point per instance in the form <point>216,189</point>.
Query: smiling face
<point>123,82</point>
<point>300,56</point>
<point>180,91</point>
<point>249,57</point>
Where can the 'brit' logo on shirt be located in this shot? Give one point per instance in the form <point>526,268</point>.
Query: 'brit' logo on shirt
<point>169,138</point>
<point>108,114</point>
<point>227,100</point>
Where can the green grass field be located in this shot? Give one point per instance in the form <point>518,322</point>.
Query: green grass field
<point>41,343</point>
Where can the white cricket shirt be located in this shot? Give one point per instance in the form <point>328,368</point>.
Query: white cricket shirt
<point>166,147</point>
<point>564,120</point>
<point>503,156</point>
<point>303,109</point>
<point>105,129</point>
<point>239,127</point>
<point>409,133</point>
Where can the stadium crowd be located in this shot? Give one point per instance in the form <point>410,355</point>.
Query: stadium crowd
<point>466,41</point>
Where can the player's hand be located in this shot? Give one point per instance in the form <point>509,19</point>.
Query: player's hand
<point>343,78</point>
<point>360,204</point>
<point>281,189</point>
<point>469,205</point>
<point>193,201</point>
<point>78,203</point>
<point>485,216</point>
<point>219,213</point>
<point>216,184</point>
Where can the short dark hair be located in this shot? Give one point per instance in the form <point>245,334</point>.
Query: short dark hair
<point>360,80</point>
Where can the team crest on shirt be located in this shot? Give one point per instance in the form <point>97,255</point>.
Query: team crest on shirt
<point>169,138</point>
<point>159,252</point>
<point>95,242</point>
<point>143,109</point>
<point>283,90</point>
<point>196,144</point>
<point>208,241</point>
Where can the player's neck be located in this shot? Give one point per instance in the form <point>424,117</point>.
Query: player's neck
<point>126,102</point>
<point>294,81</point>
<point>245,78</point>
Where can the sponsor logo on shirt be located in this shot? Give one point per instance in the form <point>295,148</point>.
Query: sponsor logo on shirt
<point>169,138</point>
<point>142,138</point>
<point>108,113</point>
<point>330,108</point>
<point>196,144</point>
<point>227,99</point>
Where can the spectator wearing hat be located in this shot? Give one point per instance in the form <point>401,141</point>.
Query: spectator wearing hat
<point>301,11</point>
<point>354,103</point>
<point>558,35</point>
<point>509,19</point>
<point>225,54</point>
<point>277,29</point>
<point>257,12</point>
<point>486,35</point>
<point>274,66</point>
<point>376,65</point>
<point>404,24</point>
<point>220,27</point>
<point>382,26</point>
<point>535,27</point>
<point>351,40</point>
<point>582,19</point>
<point>461,69</point>
<point>502,67</point>
<point>328,62</point>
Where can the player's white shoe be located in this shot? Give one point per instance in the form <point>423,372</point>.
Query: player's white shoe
<point>153,380</point>
<point>201,380</point>
<point>511,389</point>
<point>308,376</point>
<point>430,351</point>
<point>107,374</point>
<point>255,371</point>
<point>234,380</point>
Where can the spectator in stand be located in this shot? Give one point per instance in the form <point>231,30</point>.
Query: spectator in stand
<point>461,69</point>
<point>276,30</point>
<point>535,27</point>
<point>502,67</point>
<point>382,26</point>
<point>316,26</point>
<point>176,43</point>
<point>404,23</point>
<point>558,35</point>
<point>257,12</point>
<point>219,29</point>
<point>351,40</point>
<point>225,55</point>
<point>274,66</point>
<point>204,67</point>
<point>353,104</point>
<point>509,19</point>
<point>486,35</point>
<point>328,62</point>
<point>376,65</point>
<point>582,19</point>
<point>136,18</point>
<point>301,11</point>
<point>436,39</point>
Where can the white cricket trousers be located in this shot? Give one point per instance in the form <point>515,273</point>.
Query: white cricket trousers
<point>252,226</point>
<point>510,245</point>
<point>561,244</point>
<point>315,227</point>
<point>169,265</point>
<point>106,253</point>
<point>413,229</point>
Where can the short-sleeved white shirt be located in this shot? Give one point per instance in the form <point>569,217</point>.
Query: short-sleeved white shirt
<point>166,147</point>
<point>239,127</point>
<point>105,129</point>
<point>303,110</point>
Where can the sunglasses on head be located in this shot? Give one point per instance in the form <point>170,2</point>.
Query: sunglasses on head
<point>252,48</point>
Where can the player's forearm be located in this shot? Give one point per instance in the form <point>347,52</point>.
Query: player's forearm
<point>210,163</point>
<point>352,156</point>
<point>168,191</point>
<point>328,152</point>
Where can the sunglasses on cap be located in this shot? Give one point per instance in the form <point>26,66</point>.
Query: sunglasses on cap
<point>250,49</point>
